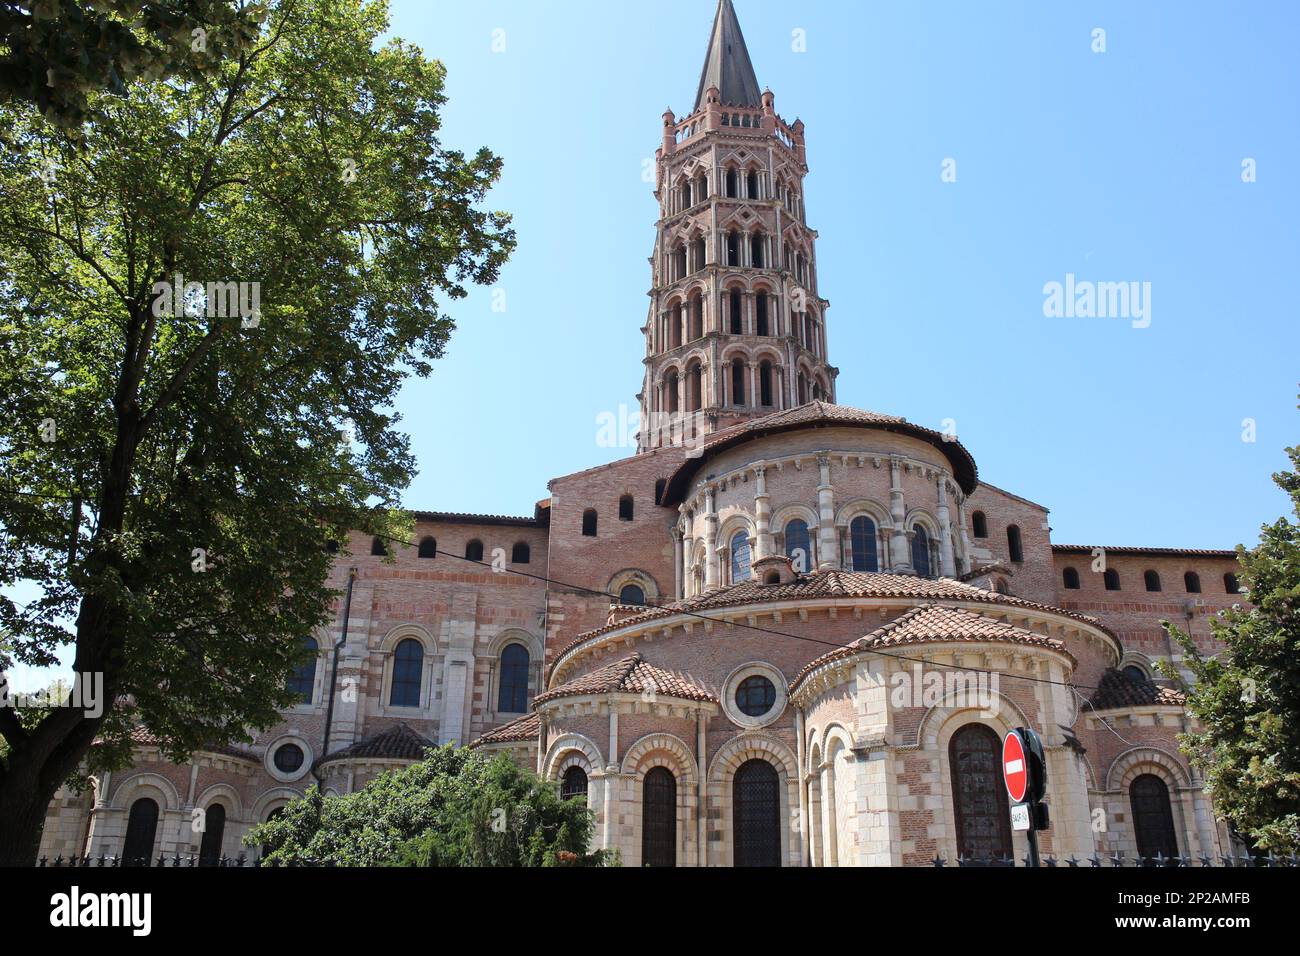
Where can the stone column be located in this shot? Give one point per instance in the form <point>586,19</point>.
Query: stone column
<point>711,577</point>
<point>753,385</point>
<point>762,514</point>
<point>965,534</point>
<point>947,563</point>
<point>701,790</point>
<point>900,558</point>
<point>828,550</point>
<point>677,562</point>
<point>800,757</point>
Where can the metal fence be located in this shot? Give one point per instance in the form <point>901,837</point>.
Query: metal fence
<point>1118,860</point>
<point>1115,861</point>
<point>175,860</point>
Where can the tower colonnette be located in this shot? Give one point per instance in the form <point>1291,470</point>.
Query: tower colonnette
<point>736,326</point>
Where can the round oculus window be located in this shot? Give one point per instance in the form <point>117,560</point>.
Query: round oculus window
<point>289,758</point>
<point>755,696</point>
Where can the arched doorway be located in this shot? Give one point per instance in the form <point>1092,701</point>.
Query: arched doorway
<point>141,828</point>
<point>1153,817</point>
<point>214,831</point>
<point>659,818</point>
<point>978,793</point>
<point>756,812</point>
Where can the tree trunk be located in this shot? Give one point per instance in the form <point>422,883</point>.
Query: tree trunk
<point>23,805</point>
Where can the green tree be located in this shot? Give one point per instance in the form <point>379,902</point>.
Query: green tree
<point>1246,699</point>
<point>172,466</point>
<point>456,808</point>
<point>56,54</point>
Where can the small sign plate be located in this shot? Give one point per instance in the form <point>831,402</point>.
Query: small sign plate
<point>1020,816</point>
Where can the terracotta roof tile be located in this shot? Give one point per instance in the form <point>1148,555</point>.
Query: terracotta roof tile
<point>631,675</point>
<point>526,727</point>
<point>1152,552</point>
<point>824,413</point>
<point>1117,689</point>
<point>833,583</point>
<point>399,742</point>
<point>143,737</point>
<point>930,623</point>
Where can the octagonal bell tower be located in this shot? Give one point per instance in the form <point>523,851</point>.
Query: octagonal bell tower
<point>736,328</point>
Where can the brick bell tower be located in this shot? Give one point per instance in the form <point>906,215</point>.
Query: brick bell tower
<point>736,328</point>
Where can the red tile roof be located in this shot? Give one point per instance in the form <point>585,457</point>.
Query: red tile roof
<point>1151,552</point>
<point>1116,689</point>
<point>823,414</point>
<point>526,727</point>
<point>834,583</point>
<point>934,623</point>
<point>143,737</point>
<point>631,675</point>
<point>399,742</point>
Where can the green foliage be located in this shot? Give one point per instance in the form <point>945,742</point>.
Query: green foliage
<point>168,477</point>
<point>1246,700</point>
<point>456,808</point>
<point>57,54</point>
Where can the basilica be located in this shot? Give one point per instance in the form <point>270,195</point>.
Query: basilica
<point>784,632</point>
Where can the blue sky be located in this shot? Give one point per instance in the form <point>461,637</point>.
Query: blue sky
<point>1116,166</point>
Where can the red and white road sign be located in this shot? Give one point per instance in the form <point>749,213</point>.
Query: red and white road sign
<point>1015,768</point>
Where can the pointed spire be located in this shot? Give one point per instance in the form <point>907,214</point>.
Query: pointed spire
<point>727,65</point>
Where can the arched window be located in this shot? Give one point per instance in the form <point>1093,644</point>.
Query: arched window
<point>303,679</point>
<point>920,552</point>
<point>760,314</point>
<point>1153,817</point>
<point>1111,577</point>
<point>1071,579</point>
<point>798,545</point>
<point>737,382</point>
<point>739,557</point>
<point>377,548</point>
<point>756,812</point>
<point>631,594</point>
<point>679,262</point>
<point>659,818</point>
<point>979,524</point>
<point>756,246</point>
<point>1014,547</point>
<point>1230,584</point>
<point>512,698</point>
<point>428,548</point>
<point>141,828</point>
<point>733,248</point>
<point>625,508</point>
<point>589,523</point>
<point>214,830</point>
<point>737,313</point>
<point>474,550</point>
<point>1152,581</point>
<point>862,543</point>
<point>521,553</point>
<point>733,184</point>
<point>574,784</point>
<point>670,391</point>
<point>660,486</point>
<point>979,795</point>
<point>1193,582</point>
<point>751,185</point>
<point>408,668</point>
<point>1136,674</point>
<point>700,254</point>
<point>765,383</point>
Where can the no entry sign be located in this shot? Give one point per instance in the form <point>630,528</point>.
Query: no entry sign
<point>1015,768</point>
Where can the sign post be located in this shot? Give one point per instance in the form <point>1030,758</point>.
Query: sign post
<point>1024,771</point>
